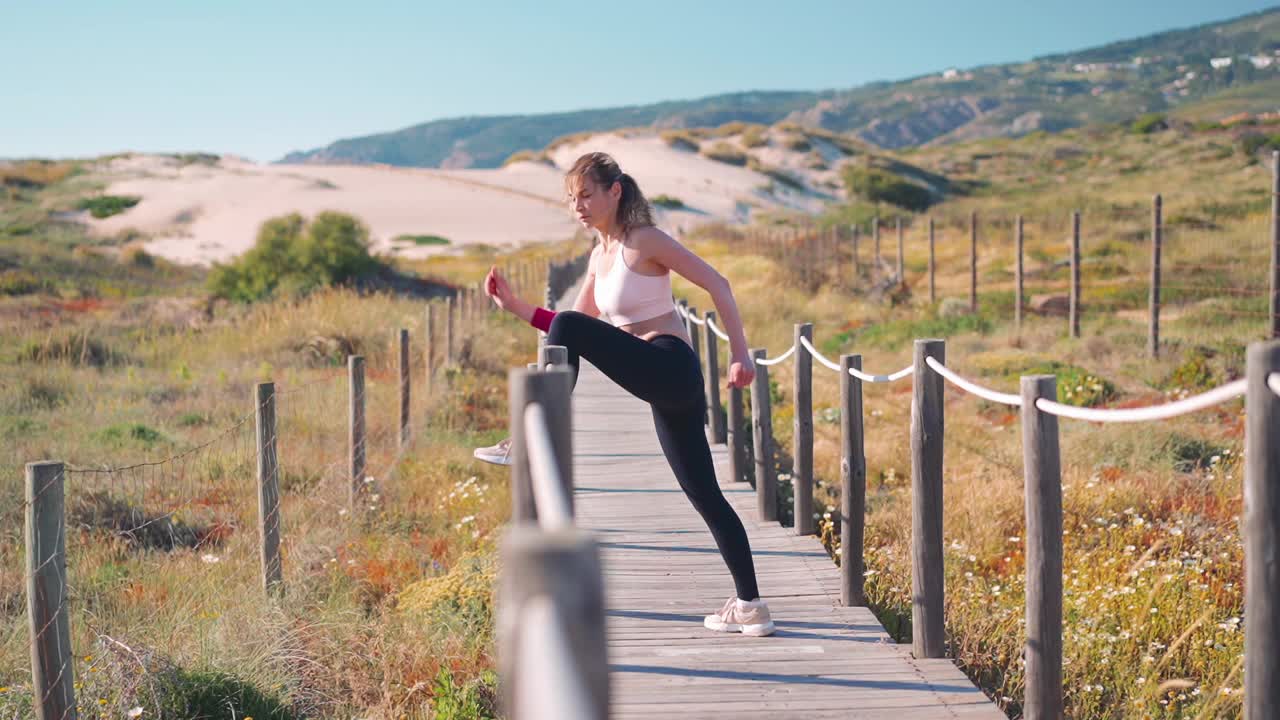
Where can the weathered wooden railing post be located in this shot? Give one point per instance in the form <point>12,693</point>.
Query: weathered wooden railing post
<point>551,611</point>
<point>736,437</point>
<point>933,269</point>
<point>1018,278</point>
<point>695,336</point>
<point>927,639</point>
<point>1074,306</point>
<point>402,341</point>
<point>762,440</point>
<point>268,487</point>
<point>711,380</point>
<point>429,345</point>
<point>853,483</point>
<point>1274,305</point>
<point>356,449</point>
<point>1157,232</point>
<point>1262,535</point>
<point>551,389</point>
<point>901,249</point>
<point>52,662</point>
<point>802,446</point>
<point>553,355</point>
<point>973,261</point>
<point>875,234</point>
<point>857,264</point>
<point>450,310</point>
<point>1042,473</point>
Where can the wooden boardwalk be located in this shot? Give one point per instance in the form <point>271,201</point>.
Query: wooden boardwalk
<point>663,573</point>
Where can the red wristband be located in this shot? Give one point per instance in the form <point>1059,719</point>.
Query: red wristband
<point>542,319</point>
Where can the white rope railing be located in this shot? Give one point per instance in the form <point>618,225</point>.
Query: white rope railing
<point>548,488</point>
<point>865,377</point>
<point>1273,382</point>
<point>972,387</point>
<point>719,333</point>
<point>780,358</point>
<point>1151,412</point>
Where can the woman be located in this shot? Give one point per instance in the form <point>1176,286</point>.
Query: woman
<point>646,351</point>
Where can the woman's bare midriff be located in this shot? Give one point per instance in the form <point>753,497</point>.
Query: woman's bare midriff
<point>668,324</point>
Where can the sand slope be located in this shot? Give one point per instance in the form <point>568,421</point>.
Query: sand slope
<point>204,212</point>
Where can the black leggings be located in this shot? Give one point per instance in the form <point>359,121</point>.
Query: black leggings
<point>665,373</point>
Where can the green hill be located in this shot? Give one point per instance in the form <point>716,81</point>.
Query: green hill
<point>1165,72</point>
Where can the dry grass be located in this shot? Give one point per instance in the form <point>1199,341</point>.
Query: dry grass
<point>1153,558</point>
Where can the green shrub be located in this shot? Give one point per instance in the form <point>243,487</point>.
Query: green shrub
<point>667,201</point>
<point>422,239</point>
<point>104,206</point>
<point>878,185</point>
<point>452,700</point>
<point>131,434</point>
<point>798,143</point>
<point>753,137</point>
<point>294,257</point>
<point>725,153</point>
<point>681,140</point>
<point>19,282</point>
<point>1149,123</point>
<point>1252,143</point>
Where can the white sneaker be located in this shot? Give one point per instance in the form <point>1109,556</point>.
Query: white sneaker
<point>747,617</point>
<point>499,454</point>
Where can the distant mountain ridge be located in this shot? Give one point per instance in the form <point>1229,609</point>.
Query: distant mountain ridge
<point>1164,72</point>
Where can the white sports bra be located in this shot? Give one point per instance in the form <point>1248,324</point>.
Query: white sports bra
<point>628,297</point>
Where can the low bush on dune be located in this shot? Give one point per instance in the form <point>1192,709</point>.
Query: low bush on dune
<point>878,185</point>
<point>725,153</point>
<point>104,206</point>
<point>422,239</point>
<point>667,201</point>
<point>680,140</point>
<point>293,257</point>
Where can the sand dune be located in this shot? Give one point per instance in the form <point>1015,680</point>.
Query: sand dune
<point>204,212</point>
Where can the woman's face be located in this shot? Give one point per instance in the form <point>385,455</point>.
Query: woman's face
<point>595,207</point>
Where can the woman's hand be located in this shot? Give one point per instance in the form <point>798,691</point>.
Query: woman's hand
<point>741,372</point>
<point>496,287</point>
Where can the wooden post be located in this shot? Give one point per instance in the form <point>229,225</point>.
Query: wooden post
<point>762,439</point>
<point>1018,277</point>
<point>268,488</point>
<point>554,355</point>
<point>1074,307</point>
<point>901,261</point>
<point>933,269</point>
<point>403,344</point>
<point>711,380</point>
<point>450,311</point>
<point>1275,244</point>
<point>696,338</point>
<point>551,626</point>
<point>857,264</point>
<point>802,446</point>
<point>684,316</point>
<point>973,261</point>
<point>550,388</point>
<point>355,425</point>
<point>853,484</point>
<point>875,234</point>
<point>737,442</point>
<point>1157,232</point>
<point>927,639</point>
<point>1042,472</point>
<point>429,343</point>
<point>1261,528</point>
<point>52,661</point>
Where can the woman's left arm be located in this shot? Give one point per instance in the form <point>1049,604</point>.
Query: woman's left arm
<point>678,259</point>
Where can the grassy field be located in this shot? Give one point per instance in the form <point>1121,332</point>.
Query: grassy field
<point>1153,557</point>
<point>124,369</point>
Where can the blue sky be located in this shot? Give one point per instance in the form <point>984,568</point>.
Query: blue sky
<point>263,78</point>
